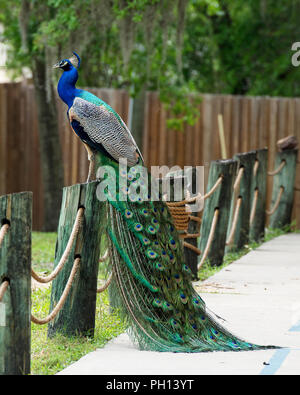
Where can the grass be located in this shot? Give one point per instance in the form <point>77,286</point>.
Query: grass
<point>50,356</point>
<point>43,248</point>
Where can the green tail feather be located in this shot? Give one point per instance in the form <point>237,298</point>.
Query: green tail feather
<point>152,284</point>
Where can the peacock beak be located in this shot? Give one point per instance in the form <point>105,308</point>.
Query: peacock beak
<point>60,65</point>
<point>56,65</point>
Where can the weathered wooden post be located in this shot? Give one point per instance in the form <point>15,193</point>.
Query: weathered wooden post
<point>77,317</point>
<point>241,200</point>
<point>259,195</point>
<point>15,271</point>
<point>191,254</point>
<point>219,200</point>
<point>283,188</point>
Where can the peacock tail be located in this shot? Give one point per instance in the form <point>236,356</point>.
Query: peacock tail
<point>152,283</point>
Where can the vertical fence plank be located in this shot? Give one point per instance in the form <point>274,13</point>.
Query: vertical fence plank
<point>235,136</point>
<point>253,124</point>
<point>263,122</point>
<point>154,134</point>
<point>245,137</point>
<point>147,129</point>
<point>227,119</point>
<point>282,118</point>
<point>197,140</point>
<point>162,148</point>
<point>137,121</point>
<point>15,266</point>
<point>216,107</point>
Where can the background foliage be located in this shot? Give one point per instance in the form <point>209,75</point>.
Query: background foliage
<point>224,46</point>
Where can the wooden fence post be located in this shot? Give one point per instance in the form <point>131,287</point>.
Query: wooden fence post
<point>77,317</point>
<point>15,268</point>
<point>241,193</point>
<point>284,179</point>
<point>219,200</point>
<point>191,256</point>
<point>259,196</point>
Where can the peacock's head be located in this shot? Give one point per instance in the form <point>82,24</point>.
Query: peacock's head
<point>68,64</point>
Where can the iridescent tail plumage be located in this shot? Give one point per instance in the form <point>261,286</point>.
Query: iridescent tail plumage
<point>152,284</point>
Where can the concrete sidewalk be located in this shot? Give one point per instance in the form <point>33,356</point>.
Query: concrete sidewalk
<point>259,295</point>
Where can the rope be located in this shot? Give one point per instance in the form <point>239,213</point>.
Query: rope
<point>234,222</point>
<point>104,257</point>
<point>210,237</point>
<point>179,214</point>
<point>275,207</point>
<point>3,288</point>
<point>194,218</point>
<point>218,182</point>
<point>238,203</point>
<point>181,221</point>
<point>189,235</point>
<point>278,170</point>
<point>62,299</point>
<point>181,217</point>
<point>197,219</point>
<point>192,247</point>
<point>3,232</point>
<point>65,256</point>
<point>238,178</point>
<point>183,202</point>
<point>255,167</point>
<point>254,205</point>
<point>105,285</point>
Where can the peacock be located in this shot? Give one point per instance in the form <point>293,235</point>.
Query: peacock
<point>151,284</point>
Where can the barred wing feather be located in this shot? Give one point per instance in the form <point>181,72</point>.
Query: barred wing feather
<point>103,128</point>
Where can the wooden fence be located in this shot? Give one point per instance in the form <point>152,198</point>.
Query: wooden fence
<point>249,123</point>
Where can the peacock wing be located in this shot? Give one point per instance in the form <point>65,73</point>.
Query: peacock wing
<point>97,126</point>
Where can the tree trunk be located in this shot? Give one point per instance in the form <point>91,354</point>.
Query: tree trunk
<point>50,148</point>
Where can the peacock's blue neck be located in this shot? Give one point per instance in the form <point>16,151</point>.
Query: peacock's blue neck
<point>66,86</point>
